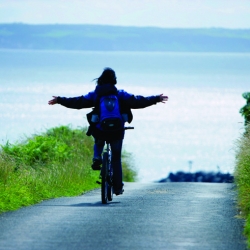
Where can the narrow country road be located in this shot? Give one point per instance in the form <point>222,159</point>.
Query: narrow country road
<point>195,216</point>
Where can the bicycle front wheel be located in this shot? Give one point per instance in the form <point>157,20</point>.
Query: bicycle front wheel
<point>104,174</point>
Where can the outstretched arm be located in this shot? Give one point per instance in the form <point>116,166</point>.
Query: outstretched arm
<point>73,102</point>
<point>138,102</point>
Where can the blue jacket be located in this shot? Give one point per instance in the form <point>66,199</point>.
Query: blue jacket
<point>129,101</point>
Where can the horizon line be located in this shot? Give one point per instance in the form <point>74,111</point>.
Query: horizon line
<point>122,26</point>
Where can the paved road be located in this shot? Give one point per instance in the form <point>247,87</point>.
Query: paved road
<point>147,216</point>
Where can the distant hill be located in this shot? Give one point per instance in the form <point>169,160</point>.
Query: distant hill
<point>118,38</point>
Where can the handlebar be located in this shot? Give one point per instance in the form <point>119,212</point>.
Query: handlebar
<point>125,128</point>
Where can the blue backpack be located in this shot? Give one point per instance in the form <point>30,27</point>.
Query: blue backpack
<point>108,115</point>
<point>110,118</point>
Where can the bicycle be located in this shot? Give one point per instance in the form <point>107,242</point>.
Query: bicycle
<point>106,174</point>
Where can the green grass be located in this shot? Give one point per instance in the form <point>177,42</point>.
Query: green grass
<point>53,164</point>
<point>242,178</point>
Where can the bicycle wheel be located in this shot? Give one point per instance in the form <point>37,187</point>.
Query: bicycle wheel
<point>110,193</point>
<point>110,189</point>
<point>104,174</point>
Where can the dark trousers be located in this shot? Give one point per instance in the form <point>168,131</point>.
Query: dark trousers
<point>116,148</point>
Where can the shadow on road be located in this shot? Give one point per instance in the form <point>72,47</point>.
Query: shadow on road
<point>97,204</point>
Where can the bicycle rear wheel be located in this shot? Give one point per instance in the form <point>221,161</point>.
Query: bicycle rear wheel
<point>104,174</point>
<point>110,190</point>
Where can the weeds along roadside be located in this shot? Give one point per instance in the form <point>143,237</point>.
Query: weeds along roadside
<point>53,164</point>
<point>242,178</point>
<point>242,167</point>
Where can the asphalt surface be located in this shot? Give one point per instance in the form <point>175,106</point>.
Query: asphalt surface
<point>147,216</point>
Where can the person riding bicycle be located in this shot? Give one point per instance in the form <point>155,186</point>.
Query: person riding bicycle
<point>105,87</point>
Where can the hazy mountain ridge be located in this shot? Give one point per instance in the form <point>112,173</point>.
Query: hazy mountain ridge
<point>118,38</point>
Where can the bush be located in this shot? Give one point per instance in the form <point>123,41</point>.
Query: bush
<point>242,177</point>
<point>53,164</point>
<point>128,169</point>
<point>245,111</point>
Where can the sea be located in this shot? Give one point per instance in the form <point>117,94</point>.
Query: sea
<point>197,129</point>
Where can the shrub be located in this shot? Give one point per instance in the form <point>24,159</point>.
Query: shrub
<point>245,110</point>
<point>53,164</point>
<point>242,177</point>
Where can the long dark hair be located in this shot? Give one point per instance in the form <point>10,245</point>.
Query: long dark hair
<point>107,76</point>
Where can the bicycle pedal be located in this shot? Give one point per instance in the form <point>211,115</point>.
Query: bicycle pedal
<point>98,182</point>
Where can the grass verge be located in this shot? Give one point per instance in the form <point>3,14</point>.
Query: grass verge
<point>53,164</point>
<point>242,178</point>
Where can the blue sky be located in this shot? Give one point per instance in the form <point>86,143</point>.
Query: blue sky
<point>158,13</point>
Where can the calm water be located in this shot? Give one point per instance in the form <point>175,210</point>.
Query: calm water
<point>200,123</point>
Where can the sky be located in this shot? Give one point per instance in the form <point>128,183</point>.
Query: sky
<point>145,13</point>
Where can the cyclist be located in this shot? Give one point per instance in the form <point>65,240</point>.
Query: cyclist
<point>105,86</point>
